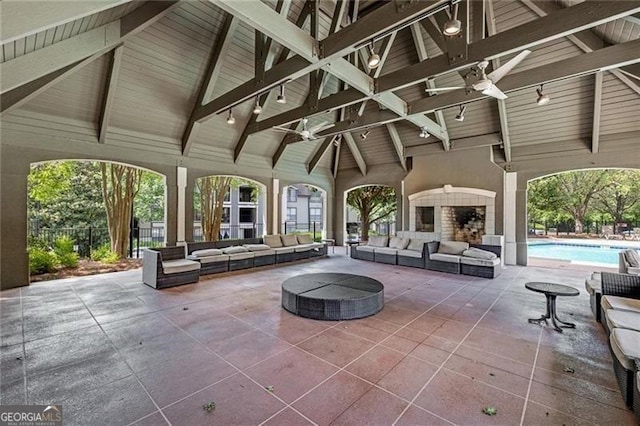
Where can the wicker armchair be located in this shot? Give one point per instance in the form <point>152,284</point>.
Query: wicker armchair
<point>620,285</point>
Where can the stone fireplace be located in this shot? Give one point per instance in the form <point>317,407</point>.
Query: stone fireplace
<point>452,213</point>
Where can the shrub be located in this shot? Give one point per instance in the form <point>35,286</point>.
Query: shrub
<point>41,261</point>
<point>110,258</point>
<point>68,260</point>
<point>66,256</point>
<point>37,242</point>
<point>104,254</point>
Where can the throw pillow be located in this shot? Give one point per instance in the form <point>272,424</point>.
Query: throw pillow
<point>289,240</point>
<point>415,245</point>
<point>632,257</point>
<point>378,241</point>
<point>398,243</point>
<point>256,247</point>
<point>234,250</point>
<point>452,247</point>
<point>207,252</point>
<point>479,254</point>
<point>273,241</point>
<point>304,239</point>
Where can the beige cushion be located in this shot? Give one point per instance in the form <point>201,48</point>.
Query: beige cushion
<point>234,250</point>
<point>451,258</point>
<point>212,259</point>
<point>416,245</point>
<point>625,344</point>
<point>632,257</point>
<point>593,286</point>
<point>241,256</point>
<point>207,253</point>
<point>633,270</point>
<point>272,241</point>
<point>398,243</point>
<point>257,247</point>
<point>303,247</point>
<point>369,249</point>
<point>289,240</point>
<point>452,247</point>
<point>264,253</point>
<point>410,253</point>
<point>179,265</point>
<point>623,319</point>
<point>304,239</point>
<point>479,262</point>
<point>620,303</point>
<point>385,250</point>
<point>378,241</point>
<point>479,253</point>
<point>283,250</point>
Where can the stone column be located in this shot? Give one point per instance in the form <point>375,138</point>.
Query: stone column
<point>14,260</point>
<point>521,226</point>
<point>273,205</point>
<point>181,181</point>
<point>171,208</point>
<point>188,208</point>
<point>509,217</point>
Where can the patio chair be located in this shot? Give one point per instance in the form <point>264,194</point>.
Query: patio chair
<point>607,232</point>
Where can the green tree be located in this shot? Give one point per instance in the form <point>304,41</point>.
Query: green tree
<point>620,195</point>
<point>373,203</point>
<point>543,200</point>
<point>577,190</point>
<point>149,203</point>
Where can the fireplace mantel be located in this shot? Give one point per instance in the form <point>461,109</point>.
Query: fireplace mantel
<point>448,189</point>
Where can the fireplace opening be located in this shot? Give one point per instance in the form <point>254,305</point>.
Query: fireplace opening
<point>425,219</point>
<point>464,223</point>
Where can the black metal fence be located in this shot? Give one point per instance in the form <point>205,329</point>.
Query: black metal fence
<point>232,232</point>
<point>312,228</point>
<point>590,227</point>
<point>85,240</point>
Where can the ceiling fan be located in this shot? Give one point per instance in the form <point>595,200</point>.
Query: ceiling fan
<point>306,133</point>
<point>487,82</point>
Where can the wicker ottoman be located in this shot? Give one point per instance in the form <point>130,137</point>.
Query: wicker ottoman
<point>625,349</point>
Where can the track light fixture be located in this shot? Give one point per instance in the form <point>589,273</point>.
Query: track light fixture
<point>336,140</point>
<point>452,26</point>
<point>257,109</point>
<point>424,133</point>
<point>542,98</point>
<point>374,58</point>
<point>460,115</point>
<point>281,98</point>
<point>230,118</point>
<point>364,134</point>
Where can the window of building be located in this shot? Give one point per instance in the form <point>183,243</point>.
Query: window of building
<point>226,215</point>
<point>246,194</point>
<point>292,194</point>
<point>315,214</point>
<point>247,215</point>
<point>227,195</point>
<point>292,214</point>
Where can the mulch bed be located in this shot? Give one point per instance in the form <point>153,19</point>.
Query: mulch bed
<point>89,267</point>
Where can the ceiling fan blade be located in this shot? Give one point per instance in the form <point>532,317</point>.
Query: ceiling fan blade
<point>500,72</point>
<point>317,127</point>
<point>444,89</point>
<point>493,91</point>
<point>322,127</point>
<point>283,129</point>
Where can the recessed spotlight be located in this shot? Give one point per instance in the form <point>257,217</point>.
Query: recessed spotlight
<point>452,26</point>
<point>424,133</point>
<point>364,134</point>
<point>230,118</point>
<point>542,98</point>
<point>257,109</point>
<point>374,58</point>
<point>281,98</point>
<point>460,115</point>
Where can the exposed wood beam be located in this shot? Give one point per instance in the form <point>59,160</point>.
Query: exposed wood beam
<point>48,63</point>
<point>556,25</point>
<point>456,145</point>
<point>418,41</point>
<point>397,144</point>
<point>559,24</point>
<point>109,94</point>
<point>237,150</point>
<point>23,18</point>
<point>310,55</point>
<point>355,151</point>
<point>597,108</point>
<point>222,43</point>
<point>588,63</point>
<point>502,104</point>
<point>336,158</point>
<point>586,40</point>
<point>321,150</point>
<point>479,26</point>
<point>384,51</point>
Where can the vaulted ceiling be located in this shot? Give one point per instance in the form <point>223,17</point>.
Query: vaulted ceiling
<point>162,76</point>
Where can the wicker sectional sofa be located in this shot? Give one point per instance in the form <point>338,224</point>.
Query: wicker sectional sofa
<point>446,256</point>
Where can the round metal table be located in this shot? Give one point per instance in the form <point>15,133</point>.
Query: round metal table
<point>332,296</point>
<point>551,291</point>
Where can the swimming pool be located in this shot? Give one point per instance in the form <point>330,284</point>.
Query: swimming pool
<point>576,253</point>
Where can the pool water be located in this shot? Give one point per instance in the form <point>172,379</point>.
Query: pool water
<point>576,253</point>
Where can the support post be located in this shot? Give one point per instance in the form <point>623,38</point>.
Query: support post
<point>275,203</point>
<point>509,217</point>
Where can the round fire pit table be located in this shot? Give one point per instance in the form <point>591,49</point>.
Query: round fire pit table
<point>332,296</point>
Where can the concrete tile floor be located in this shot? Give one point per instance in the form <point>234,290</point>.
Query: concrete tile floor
<point>114,351</point>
